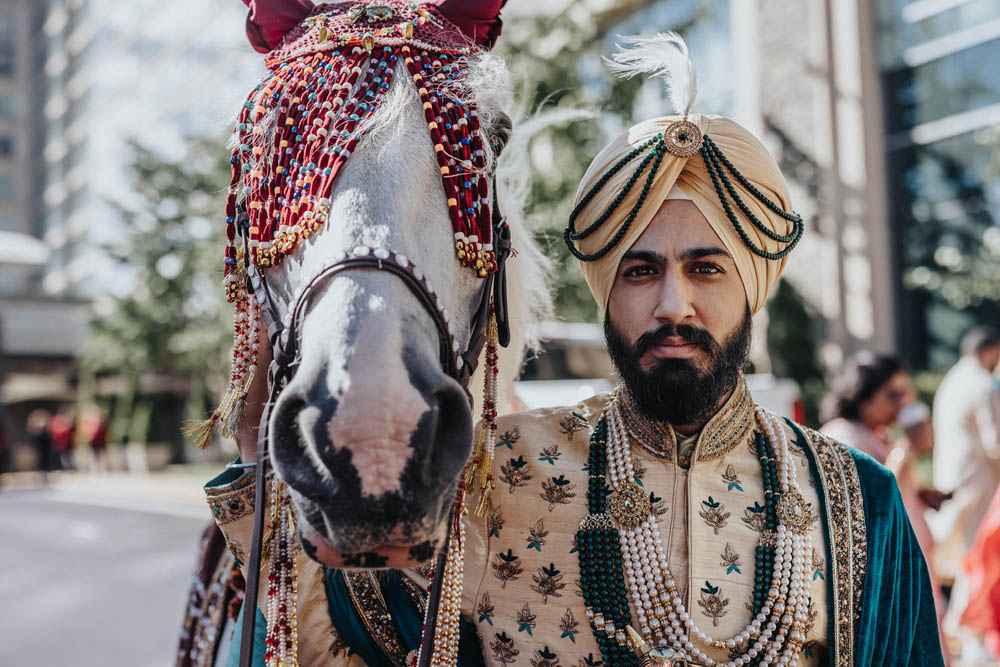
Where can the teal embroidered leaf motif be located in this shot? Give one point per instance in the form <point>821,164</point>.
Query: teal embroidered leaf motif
<point>709,588</point>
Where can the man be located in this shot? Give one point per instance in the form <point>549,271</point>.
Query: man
<point>967,437</point>
<point>649,517</point>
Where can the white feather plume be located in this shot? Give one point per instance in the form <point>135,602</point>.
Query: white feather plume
<point>664,55</point>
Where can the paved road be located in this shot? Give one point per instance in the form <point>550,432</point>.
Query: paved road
<point>86,581</point>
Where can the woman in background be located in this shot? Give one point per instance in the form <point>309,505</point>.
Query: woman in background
<point>871,395</point>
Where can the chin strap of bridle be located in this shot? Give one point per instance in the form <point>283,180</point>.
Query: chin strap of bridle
<point>286,357</point>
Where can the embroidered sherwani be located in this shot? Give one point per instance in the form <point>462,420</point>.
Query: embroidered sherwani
<point>869,603</point>
<point>870,600</point>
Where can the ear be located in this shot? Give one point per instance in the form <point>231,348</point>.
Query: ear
<point>479,20</point>
<point>269,20</point>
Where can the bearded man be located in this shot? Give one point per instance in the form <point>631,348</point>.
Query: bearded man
<point>674,521</point>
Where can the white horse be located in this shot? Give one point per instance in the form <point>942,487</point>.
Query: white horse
<point>371,434</point>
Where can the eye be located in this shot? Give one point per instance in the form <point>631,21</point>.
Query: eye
<point>706,269</point>
<point>499,133</point>
<point>640,271</point>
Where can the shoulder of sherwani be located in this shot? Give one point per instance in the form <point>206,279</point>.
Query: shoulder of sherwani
<point>521,567</point>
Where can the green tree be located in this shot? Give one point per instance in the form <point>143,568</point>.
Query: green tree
<point>173,321</point>
<point>792,344</point>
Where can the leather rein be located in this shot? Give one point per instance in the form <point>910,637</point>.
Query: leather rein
<point>284,335</point>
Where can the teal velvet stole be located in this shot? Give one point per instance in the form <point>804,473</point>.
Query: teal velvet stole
<point>352,629</point>
<point>408,621</point>
<point>898,621</point>
<point>259,637</point>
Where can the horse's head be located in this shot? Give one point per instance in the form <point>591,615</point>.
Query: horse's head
<point>373,428</point>
<point>371,433</point>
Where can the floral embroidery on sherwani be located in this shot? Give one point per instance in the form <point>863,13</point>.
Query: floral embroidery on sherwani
<point>557,490</point>
<point>712,603</point>
<point>731,478</point>
<point>657,505</point>
<point>590,661</point>
<point>503,648</point>
<point>485,609</point>
<point>574,421</point>
<point>507,567</point>
<point>755,517</point>
<point>731,560</point>
<point>515,473</point>
<point>817,564</point>
<point>568,624</point>
<point>526,620</point>
<point>545,658</point>
<point>508,438</point>
<point>548,582</point>
<point>496,521</point>
<point>550,454</point>
<point>536,535</point>
<point>714,513</point>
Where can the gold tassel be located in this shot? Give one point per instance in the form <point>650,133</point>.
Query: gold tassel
<point>485,503</point>
<point>200,432</point>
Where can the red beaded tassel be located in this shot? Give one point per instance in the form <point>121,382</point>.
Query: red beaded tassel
<point>480,471</point>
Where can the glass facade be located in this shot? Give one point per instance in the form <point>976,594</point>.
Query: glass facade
<point>942,116</point>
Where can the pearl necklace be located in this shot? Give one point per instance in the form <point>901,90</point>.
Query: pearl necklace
<point>776,632</point>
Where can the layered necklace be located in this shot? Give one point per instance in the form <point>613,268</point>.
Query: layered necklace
<point>622,559</point>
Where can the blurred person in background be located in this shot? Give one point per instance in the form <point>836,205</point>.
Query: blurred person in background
<point>95,429</point>
<point>967,459</point>
<point>865,402</point>
<point>62,429</point>
<point>37,427</point>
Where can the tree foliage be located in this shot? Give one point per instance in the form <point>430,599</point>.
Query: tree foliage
<point>173,319</point>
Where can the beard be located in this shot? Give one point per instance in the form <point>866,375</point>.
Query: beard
<point>677,391</point>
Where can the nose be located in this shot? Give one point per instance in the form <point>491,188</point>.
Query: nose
<point>674,302</point>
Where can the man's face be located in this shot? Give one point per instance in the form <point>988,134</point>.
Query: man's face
<point>990,357</point>
<point>678,326</point>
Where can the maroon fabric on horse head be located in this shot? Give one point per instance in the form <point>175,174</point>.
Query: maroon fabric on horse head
<point>478,19</point>
<point>269,20</point>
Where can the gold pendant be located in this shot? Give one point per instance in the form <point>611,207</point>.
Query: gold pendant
<point>794,512</point>
<point>629,505</point>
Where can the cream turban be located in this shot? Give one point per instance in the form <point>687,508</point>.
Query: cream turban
<point>743,151</point>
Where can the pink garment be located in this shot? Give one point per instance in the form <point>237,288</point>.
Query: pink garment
<point>982,564</point>
<point>269,20</point>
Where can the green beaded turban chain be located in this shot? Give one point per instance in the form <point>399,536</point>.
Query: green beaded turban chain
<point>715,162</point>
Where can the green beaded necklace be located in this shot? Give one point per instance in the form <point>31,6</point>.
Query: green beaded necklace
<point>599,548</point>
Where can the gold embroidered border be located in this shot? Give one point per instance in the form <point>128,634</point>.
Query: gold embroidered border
<point>367,598</point>
<point>730,426</point>
<point>727,428</point>
<point>846,528</point>
<point>233,502</point>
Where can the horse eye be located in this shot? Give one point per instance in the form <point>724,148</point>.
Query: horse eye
<point>499,133</point>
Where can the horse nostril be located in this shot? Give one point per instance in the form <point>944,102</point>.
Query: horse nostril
<point>451,439</point>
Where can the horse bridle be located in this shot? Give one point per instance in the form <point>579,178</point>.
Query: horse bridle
<point>284,336</point>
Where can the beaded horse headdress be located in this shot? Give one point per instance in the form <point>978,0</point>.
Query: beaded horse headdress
<point>678,140</point>
<point>329,68</point>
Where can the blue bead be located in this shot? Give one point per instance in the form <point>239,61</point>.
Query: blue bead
<point>465,141</point>
<point>233,160</point>
<point>327,171</point>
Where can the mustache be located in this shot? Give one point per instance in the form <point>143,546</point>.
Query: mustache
<point>689,333</point>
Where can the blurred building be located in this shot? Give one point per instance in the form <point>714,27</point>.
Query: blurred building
<point>79,81</point>
<point>885,117</point>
